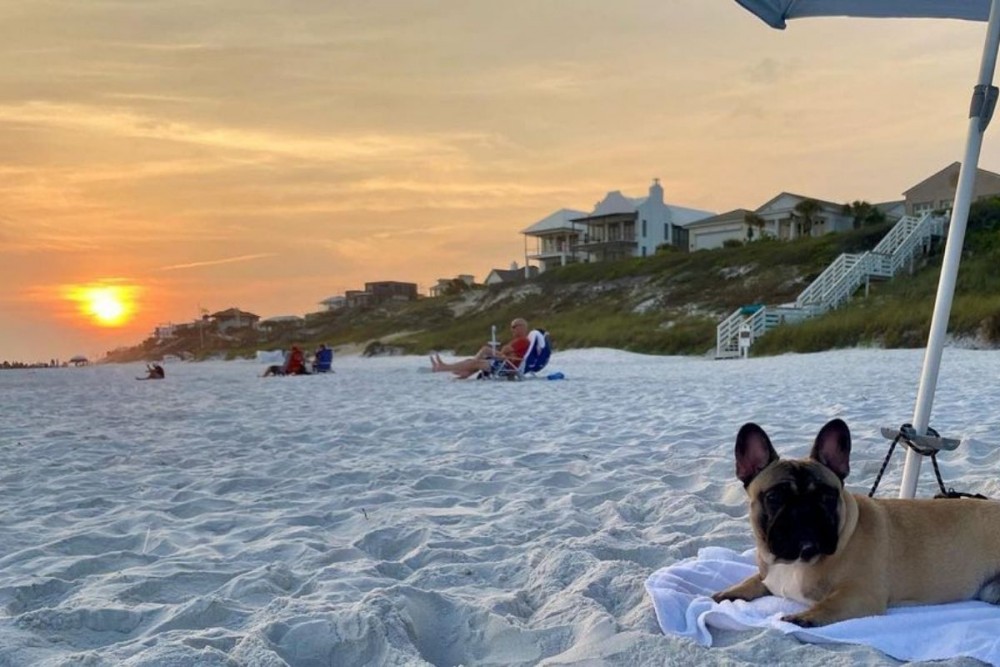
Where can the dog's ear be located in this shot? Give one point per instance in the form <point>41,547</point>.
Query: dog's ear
<point>753,452</point>
<point>833,448</point>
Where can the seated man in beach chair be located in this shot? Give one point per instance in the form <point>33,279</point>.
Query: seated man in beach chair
<point>535,359</point>
<point>323,359</point>
<point>489,360</point>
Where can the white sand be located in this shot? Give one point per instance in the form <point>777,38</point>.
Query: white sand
<point>385,516</point>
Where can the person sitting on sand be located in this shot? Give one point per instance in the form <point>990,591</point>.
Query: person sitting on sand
<point>296,363</point>
<point>154,372</point>
<point>488,359</point>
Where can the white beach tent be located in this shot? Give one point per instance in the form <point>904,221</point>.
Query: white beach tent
<point>984,97</point>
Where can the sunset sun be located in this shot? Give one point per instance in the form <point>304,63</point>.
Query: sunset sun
<point>105,305</point>
<point>107,308</point>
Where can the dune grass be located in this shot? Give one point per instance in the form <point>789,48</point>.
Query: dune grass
<point>670,303</point>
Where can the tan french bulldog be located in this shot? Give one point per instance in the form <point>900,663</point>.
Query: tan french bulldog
<point>846,555</point>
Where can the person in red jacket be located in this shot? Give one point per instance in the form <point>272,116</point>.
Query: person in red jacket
<point>488,359</point>
<point>296,364</point>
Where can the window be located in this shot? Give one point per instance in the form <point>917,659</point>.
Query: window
<point>644,233</point>
<point>644,247</point>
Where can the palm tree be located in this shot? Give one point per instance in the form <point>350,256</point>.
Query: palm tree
<point>863,213</point>
<point>754,220</point>
<point>807,210</point>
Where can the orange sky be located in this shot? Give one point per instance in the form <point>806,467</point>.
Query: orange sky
<point>237,153</point>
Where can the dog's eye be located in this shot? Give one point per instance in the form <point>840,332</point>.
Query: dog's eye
<point>830,499</point>
<point>774,496</point>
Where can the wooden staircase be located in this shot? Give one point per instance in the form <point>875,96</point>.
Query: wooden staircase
<point>908,239</point>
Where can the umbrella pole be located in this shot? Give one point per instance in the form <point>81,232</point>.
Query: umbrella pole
<point>983,101</point>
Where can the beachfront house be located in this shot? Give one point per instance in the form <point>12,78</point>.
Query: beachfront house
<point>334,303</point>
<point>621,226</point>
<point>714,231</point>
<point>357,298</point>
<point>786,216</point>
<point>789,216</point>
<point>281,323</point>
<point>937,192</point>
<point>510,276</point>
<point>450,285</point>
<point>233,319</point>
<point>553,240</point>
<point>164,332</point>
<point>391,290</point>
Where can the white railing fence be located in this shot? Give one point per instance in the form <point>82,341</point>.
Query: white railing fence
<point>908,239</point>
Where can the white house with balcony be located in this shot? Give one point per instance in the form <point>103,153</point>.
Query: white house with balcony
<point>554,238</point>
<point>622,227</point>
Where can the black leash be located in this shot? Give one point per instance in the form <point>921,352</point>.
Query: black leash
<point>901,434</point>
<point>950,493</point>
<point>885,464</point>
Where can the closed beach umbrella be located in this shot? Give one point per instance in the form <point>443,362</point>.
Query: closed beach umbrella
<point>984,97</point>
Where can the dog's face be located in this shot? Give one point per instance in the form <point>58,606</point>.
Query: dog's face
<point>796,505</point>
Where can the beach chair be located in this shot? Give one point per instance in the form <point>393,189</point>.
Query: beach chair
<point>535,359</point>
<point>324,361</point>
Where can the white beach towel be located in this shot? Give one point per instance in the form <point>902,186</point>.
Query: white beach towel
<point>680,595</point>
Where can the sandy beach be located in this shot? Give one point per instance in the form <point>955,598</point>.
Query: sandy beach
<point>385,515</point>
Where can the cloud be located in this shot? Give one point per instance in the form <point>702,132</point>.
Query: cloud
<point>128,124</point>
<point>216,262</point>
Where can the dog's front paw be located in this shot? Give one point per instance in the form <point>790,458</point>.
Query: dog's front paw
<point>803,620</point>
<point>750,588</point>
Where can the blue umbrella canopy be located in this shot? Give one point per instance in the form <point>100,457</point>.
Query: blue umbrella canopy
<point>775,12</point>
<point>984,99</point>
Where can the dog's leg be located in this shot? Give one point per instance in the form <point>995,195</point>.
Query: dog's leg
<point>750,588</point>
<point>840,605</point>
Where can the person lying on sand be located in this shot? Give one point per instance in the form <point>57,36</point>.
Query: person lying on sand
<point>489,359</point>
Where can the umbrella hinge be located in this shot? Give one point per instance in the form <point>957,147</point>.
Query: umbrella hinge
<point>984,101</point>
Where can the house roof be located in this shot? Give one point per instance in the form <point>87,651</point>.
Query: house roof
<point>615,202</point>
<point>822,202</point>
<point>685,216</point>
<point>887,206</point>
<point>512,275</point>
<point>954,166</point>
<point>233,312</point>
<point>561,219</point>
<point>951,167</point>
<point>736,214</point>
